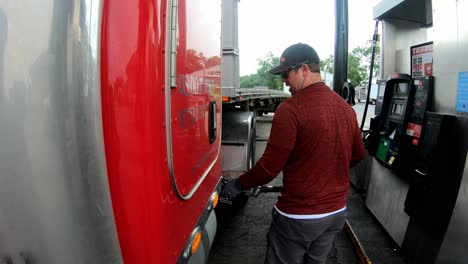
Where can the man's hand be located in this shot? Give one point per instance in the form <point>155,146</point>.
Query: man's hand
<point>231,189</point>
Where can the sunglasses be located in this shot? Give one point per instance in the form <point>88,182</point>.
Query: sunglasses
<point>285,74</point>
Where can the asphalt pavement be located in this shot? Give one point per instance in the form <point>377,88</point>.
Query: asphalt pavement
<point>359,109</point>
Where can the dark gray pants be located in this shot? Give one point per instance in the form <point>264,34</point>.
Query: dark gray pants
<point>301,241</point>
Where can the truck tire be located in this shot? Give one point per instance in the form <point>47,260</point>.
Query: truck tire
<point>345,93</point>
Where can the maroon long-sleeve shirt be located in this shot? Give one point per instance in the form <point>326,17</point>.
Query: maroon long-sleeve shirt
<point>314,139</point>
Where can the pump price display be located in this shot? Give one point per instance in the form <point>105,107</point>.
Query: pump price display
<point>421,60</point>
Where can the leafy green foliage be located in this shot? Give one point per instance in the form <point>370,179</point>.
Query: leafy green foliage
<point>271,81</point>
<point>263,77</point>
<point>358,64</point>
<point>358,68</point>
<point>357,71</point>
<point>326,65</point>
<point>250,81</point>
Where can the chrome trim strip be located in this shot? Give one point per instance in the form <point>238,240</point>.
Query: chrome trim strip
<point>249,135</point>
<point>174,19</point>
<point>170,160</point>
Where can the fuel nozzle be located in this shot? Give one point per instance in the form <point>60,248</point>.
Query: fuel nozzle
<point>263,189</point>
<point>255,192</point>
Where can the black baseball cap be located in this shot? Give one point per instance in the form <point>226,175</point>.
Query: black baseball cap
<point>296,55</point>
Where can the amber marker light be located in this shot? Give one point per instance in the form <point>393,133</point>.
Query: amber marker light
<point>195,242</point>
<point>215,200</point>
<point>226,99</point>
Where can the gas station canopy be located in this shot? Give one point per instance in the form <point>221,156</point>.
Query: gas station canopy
<point>418,11</point>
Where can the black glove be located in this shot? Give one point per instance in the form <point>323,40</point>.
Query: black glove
<point>231,189</point>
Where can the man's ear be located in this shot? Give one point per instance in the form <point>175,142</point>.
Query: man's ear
<point>305,70</point>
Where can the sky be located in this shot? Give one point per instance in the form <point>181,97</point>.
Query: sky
<point>273,25</point>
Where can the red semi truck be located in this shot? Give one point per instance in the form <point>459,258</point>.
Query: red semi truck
<point>114,128</point>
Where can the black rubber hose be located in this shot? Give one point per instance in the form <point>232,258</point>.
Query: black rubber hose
<point>371,71</point>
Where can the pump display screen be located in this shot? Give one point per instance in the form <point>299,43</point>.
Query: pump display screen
<point>401,88</point>
<point>381,90</point>
<point>397,110</point>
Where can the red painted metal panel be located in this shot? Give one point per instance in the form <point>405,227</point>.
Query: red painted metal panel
<point>152,223</point>
<point>131,54</point>
<point>198,83</point>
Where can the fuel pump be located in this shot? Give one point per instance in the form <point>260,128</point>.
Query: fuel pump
<point>434,184</point>
<point>396,129</point>
<point>427,150</point>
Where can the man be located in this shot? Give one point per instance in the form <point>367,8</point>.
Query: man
<point>352,93</point>
<point>314,140</point>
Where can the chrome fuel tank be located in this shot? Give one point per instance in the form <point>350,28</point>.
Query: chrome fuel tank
<point>55,204</point>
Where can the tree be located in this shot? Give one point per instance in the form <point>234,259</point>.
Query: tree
<point>212,61</point>
<point>271,81</point>
<point>194,61</point>
<point>326,65</point>
<point>250,81</point>
<point>263,77</point>
<point>357,71</point>
<point>358,64</point>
